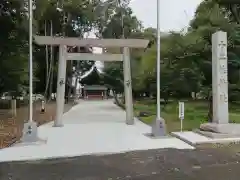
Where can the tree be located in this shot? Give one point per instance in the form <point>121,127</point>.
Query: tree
<point>80,19</point>
<point>109,10</point>
<point>231,8</point>
<point>117,22</point>
<point>92,79</point>
<point>13,47</point>
<point>186,58</point>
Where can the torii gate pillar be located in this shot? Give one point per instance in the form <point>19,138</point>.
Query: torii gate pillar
<point>128,86</point>
<point>61,86</point>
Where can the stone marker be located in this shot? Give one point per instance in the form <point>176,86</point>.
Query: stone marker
<point>220,121</point>
<point>220,77</point>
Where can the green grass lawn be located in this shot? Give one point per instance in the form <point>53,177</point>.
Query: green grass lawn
<point>195,114</point>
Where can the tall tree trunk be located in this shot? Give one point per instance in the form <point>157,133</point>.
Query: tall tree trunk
<point>76,81</point>
<point>47,62</point>
<point>71,79</point>
<point>69,63</point>
<point>52,74</point>
<point>51,65</point>
<point>239,74</point>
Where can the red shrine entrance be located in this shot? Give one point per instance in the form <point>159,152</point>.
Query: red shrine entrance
<point>94,92</point>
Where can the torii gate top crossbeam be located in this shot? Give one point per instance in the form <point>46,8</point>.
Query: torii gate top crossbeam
<point>70,41</point>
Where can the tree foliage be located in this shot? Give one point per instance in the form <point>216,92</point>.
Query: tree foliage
<point>13,47</point>
<point>186,58</point>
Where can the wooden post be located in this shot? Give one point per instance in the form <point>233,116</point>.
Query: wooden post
<point>14,107</point>
<point>43,106</point>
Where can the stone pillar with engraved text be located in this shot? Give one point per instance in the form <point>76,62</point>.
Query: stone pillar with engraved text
<point>220,77</point>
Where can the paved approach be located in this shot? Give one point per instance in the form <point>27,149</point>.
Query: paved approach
<point>105,131</point>
<point>91,127</point>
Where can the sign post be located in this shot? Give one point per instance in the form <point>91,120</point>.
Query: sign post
<point>181,113</point>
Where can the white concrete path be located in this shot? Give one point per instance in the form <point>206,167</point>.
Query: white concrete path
<point>91,127</point>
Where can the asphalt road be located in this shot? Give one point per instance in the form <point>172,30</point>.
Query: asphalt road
<point>164,164</point>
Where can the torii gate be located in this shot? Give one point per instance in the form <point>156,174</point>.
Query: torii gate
<point>102,43</point>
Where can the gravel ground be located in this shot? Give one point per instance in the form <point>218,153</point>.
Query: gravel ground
<point>164,164</point>
<point>11,127</point>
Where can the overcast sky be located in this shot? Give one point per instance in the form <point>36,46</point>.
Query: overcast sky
<point>175,14</point>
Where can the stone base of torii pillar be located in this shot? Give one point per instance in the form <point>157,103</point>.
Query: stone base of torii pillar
<point>220,126</point>
<point>159,128</point>
<point>30,135</point>
<point>214,130</point>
